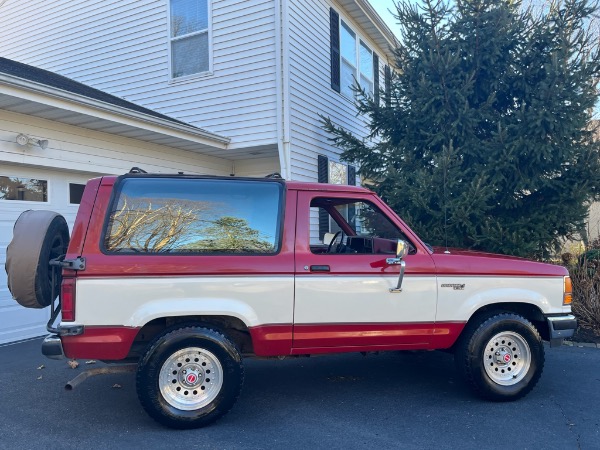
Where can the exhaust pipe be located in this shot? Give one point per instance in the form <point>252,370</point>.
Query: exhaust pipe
<point>120,368</point>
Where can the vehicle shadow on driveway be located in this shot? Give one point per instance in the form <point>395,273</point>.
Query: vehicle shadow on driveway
<point>391,400</point>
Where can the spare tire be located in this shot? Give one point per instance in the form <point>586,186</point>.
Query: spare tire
<point>38,237</point>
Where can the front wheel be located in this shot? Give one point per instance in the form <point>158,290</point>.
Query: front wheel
<point>189,377</point>
<point>501,358</point>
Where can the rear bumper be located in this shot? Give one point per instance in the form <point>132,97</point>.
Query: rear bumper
<point>561,327</point>
<point>52,347</point>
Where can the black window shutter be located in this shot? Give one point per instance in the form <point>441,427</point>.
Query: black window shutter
<point>334,45</point>
<point>352,175</point>
<point>375,79</point>
<point>388,86</point>
<point>323,177</point>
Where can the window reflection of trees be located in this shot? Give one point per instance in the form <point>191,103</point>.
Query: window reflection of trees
<point>174,225</point>
<point>27,189</point>
<point>372,222</point>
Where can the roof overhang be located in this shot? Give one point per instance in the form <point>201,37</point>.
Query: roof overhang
<point>35,99</point>
<point>364,14</point>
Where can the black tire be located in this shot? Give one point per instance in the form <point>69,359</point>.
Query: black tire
<point>501,358</point>
<point>38,237</point>
<point>178,377</point>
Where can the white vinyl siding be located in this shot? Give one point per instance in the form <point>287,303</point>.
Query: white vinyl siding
<point>122,47</point>
<point>310,90</point>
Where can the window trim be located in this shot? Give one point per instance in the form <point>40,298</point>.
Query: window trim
<point>170,39</point>
<point>357,73</point>
<point>116,194</point>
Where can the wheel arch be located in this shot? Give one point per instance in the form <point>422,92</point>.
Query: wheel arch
<point>528,311</point>
<point>231,326</point>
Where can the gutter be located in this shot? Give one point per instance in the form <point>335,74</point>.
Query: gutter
<point>282,76</point>
<point>192,133</point>
<point>381,26</point>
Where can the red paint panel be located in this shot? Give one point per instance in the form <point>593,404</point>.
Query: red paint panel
<point>362,334</point>
<point>446,334</point>
<point>272,340</point>
<point>329,338</point>
<point>460,262</point>
<point>104,343</point>
<point>84,213</point>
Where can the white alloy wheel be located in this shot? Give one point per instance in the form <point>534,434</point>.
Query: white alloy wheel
<point>507,358</point>
<point>190,378</point>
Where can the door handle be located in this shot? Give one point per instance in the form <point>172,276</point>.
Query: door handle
<point>319,268</point>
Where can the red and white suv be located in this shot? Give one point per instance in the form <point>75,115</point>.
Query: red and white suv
<point>187,275</point>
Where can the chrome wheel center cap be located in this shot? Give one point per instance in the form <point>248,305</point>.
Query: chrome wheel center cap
<point>503,356</point>
<point>191,377</point>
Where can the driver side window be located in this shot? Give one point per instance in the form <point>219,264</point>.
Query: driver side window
<point>351,226</point>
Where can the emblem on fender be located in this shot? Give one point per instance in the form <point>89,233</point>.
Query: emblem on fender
<point>456,287</point>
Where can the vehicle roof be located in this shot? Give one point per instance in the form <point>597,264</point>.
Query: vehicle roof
<point>293,185</point>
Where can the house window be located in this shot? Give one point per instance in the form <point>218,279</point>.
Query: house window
<point>338,173</point>
<point>189,37</point>
<point>349,57</point>
<point>75,193</point>
<point>24,189</point>
<point>356,61</point>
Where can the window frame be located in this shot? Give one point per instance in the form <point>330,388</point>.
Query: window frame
<point>28,202</point>
<point>358,40</point>
<point>69,183</point>
<point>116,195</point>
<point>171,39</point>
<point>348,202</point>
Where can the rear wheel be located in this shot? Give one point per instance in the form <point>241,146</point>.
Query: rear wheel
<point>189,377</point>
<point>501,358</point>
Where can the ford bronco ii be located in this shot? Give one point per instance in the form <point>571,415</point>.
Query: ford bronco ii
<point>188,275</point>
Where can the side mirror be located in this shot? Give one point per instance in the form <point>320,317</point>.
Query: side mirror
<point>401,249</point>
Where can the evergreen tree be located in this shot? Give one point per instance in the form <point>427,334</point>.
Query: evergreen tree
<point>486,139</point>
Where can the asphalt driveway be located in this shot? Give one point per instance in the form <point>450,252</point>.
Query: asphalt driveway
<point>394,400</point>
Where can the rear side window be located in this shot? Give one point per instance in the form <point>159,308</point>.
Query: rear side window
<point>199,216</point>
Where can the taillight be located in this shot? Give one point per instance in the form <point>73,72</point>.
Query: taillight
<point>568,292</point>
<point>67,299</point>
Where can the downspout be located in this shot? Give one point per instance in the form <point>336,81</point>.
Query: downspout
<point>283,85</point>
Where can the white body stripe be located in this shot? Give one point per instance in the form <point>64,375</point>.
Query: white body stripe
<point>136,301</point>
<point>340,299</point>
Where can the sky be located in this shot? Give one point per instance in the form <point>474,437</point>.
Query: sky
<point>382,6</point>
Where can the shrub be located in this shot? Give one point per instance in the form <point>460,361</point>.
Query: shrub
<point>585,275</point>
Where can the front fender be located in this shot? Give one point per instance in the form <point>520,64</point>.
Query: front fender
<point>456,304</point>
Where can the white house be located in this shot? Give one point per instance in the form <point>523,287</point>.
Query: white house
<point>256,71</point>
<point>211,86</point>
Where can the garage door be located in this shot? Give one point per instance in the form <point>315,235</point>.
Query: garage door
<point>22,189</point>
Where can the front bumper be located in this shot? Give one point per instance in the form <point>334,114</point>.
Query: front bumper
<point>561,327</point>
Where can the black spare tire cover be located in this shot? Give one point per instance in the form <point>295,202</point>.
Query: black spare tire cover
<point>38,237</point>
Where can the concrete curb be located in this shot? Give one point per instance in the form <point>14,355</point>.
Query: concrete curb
<point>581,344</point>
